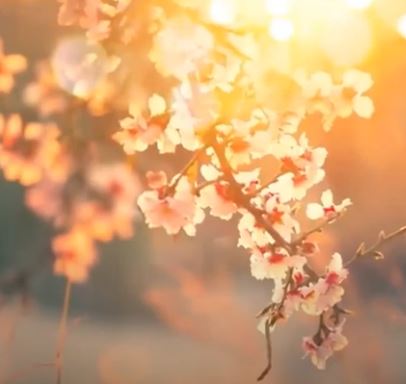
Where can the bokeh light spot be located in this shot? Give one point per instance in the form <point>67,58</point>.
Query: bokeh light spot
<point>347,39</point>
<point>222,11</point>
<point>281,29</point>
<point>401,26</point>
<point>278,7</point>
<point>78,66</point>
<point>359,4</point>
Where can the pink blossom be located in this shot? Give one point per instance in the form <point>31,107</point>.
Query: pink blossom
<point>172,212</point>
<point>351,98</point>
<point>217,197</point>
<point>320,351</point>
<point>327,291</point>
<point>327,208</point>
<point>138,131</point>
<point>180,47</point>
<point>273,264</point>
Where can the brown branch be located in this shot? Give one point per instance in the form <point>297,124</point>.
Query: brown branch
<point>245,201</point>
<point>268,352</point>
<point>267,184</point>
<point>373,250</point>
<point>271,321</point>
<point>205,184</point>
<point>318,338</point>
<point>185,169</point>
<point>316,229</point>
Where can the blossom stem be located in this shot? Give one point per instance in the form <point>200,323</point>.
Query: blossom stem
<point>205,184</point>
<point>186,168</point>
<point>268,352</point>
<point>62,332</point>
<point>245,201</point>
<point>316,229</point>
<point>266,185</point>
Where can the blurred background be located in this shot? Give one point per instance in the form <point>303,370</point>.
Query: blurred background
<point>164,310</point>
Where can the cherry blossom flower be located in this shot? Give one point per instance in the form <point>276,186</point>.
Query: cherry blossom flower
<point>139,132</point>
<point>327,208</point>
<point>180,47</point>
<point>351,96</point>
<point>102,223</point>
<point>195,109</point>
<point>274,265</point>
<point>229,102</point>
<point>119,188</point>
<point>10,65</point>
<point>223,75</point>
<point>45,199</point>
<point>327,291</point>
<point>26,151</point>
<point>80,12</point>
<point>281,218</point>
<point>173,212</point>
<point>305,163</point>
<point>320,351</point>
<point>317,91</point>
<point>75,253</point>
<point>249,139</point>
<point>156,180</point>
<point>99,31</point>
<point>44,93</point>
<point>283,187</point>
<point>252,235</point>
<point>217,198</point>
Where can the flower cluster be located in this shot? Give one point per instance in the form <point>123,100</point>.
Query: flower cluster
<point>10,65</point>
<point>68,182</point>
<point>219,99</point>
<point>87,204</point>
<point>221,113</point>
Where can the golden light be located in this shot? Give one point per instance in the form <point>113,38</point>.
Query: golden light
<point>278,7</point>
<point>222,12</point>
<point>313,17</point>
<point>401,26</point>
<point>390,11</point>
<point>359,4</point>
<point>281,29</point>
<point>347,39</point>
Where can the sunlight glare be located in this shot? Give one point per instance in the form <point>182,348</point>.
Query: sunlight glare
<point>278,7</point>
<point>401,26</point>
<point>348,39</point>
<point>359,4</point>
<point>222,12</point>
<point>281,29</point>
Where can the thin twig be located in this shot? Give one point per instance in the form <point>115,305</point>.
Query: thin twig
<point>268,352</point>
<point>267,184</point>
<point>244,200</point>
<point>271,320</point>
<point>62,333</point>
<point>316,229</point>
<point>185,169</point>
<point>373,250</point>
<point>205,184</point>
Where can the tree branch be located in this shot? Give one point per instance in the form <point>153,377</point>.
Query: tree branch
<point>268,352</point>
<point>373,250</point>
<point>245,201</point>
